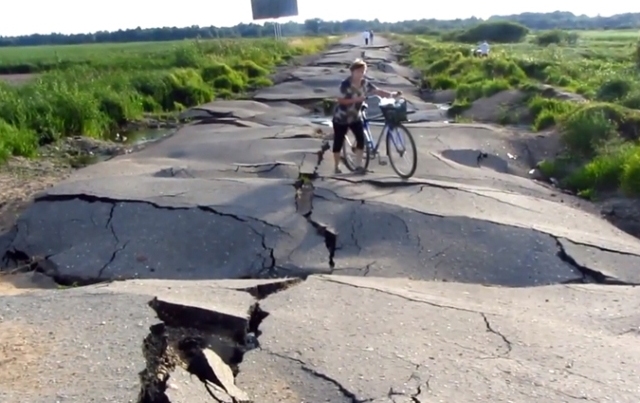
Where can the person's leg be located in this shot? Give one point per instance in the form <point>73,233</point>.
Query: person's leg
<point>358,131</point>
<point>339,133</point>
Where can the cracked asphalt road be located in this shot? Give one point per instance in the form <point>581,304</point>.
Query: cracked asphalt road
<point>342,339</point>
<point>399,303</point>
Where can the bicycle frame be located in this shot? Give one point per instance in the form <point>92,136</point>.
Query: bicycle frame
<point>388,130</point>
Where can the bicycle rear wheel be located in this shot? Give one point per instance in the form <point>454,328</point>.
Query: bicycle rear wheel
<point>349,151</point>
<point>399,139</point>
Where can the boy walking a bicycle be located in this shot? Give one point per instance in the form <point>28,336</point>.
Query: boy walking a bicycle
<point>348,113</point>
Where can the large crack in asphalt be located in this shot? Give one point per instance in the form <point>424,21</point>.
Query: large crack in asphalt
<point>303,199</point>
<point>211,345</point>
<point>14,257</point>
<point>305,192</point>
<point>589,275</point>
<point>204,342</point>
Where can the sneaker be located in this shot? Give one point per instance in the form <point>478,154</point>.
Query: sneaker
<point>360,171</point>
<point>337,170</point>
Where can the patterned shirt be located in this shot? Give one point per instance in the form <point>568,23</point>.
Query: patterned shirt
<point>347,114</point>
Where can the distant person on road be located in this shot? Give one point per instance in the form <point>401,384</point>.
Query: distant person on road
<point>348,113</point>
<point>371,37</point>
<point>366,35</point>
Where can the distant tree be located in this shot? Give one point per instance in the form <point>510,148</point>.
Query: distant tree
<point>499,31</point>
<point>312,26</point>
<point>535,21</point>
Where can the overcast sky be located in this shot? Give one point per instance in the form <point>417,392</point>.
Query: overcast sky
<point>75,16</point>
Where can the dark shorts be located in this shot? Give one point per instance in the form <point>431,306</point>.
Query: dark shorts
<point>340,131</point>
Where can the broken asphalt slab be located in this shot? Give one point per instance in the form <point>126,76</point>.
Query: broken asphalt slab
<point>338,338</point>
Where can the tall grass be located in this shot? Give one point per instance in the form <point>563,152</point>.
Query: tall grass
<point>601,136</point>
<point>93,93</point>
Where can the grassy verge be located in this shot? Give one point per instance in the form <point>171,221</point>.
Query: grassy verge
<point>600,135</point>
<point>96,90</point>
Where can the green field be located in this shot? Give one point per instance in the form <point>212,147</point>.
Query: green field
<point>600,136</point>
<point>95,90</point>
<point>147,55</point>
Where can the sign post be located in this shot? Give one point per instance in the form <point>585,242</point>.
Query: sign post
<point>274,9</point>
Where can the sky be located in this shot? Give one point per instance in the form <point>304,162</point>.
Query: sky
<point>76,16</point>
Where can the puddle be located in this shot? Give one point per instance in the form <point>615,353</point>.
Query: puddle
<point>143,136</point>
<point>324,121</point>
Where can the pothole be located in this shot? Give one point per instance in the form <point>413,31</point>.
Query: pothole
<point>477,159</point>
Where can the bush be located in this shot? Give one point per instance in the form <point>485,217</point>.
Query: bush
<point>499,32</point>
<point>630,180</point>
<point>547,112</point>
<point>14,141</point>
<point>187,88</point>
<point>613,89</point>
<point>601,173</point>
<point>615,166</point>
<point>251,69</point>
<point>584,130</point>
<point>479,89</point>
<point>259,82</point>
<point>223,77</point>
<point>555,37</point>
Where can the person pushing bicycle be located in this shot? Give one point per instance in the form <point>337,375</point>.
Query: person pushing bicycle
<point>348,112</point>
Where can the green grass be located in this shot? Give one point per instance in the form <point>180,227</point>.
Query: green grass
<point>152,55</point>
<point>95,90</point>
<point>600,136</point>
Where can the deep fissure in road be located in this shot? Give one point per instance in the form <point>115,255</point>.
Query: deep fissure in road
<point>205,343</point>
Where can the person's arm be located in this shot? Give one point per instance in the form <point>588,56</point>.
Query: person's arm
<point>371,89</point>
<point>343,100</point>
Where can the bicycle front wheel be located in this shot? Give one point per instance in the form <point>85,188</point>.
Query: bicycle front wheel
<point>349,152</point>
<point>400,141</point>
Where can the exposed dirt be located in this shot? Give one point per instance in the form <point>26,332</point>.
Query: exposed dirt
<point>498,107</point>
<point>505,107</point>
<point>22,347</point>
<point>22,178</point>
<point>19,283</point>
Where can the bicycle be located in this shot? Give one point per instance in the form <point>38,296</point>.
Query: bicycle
<point>394,112</point>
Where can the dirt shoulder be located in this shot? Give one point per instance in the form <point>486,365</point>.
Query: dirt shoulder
<point>21,179</point>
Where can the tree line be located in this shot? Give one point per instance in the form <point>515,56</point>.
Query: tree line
<point>535,21</point>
